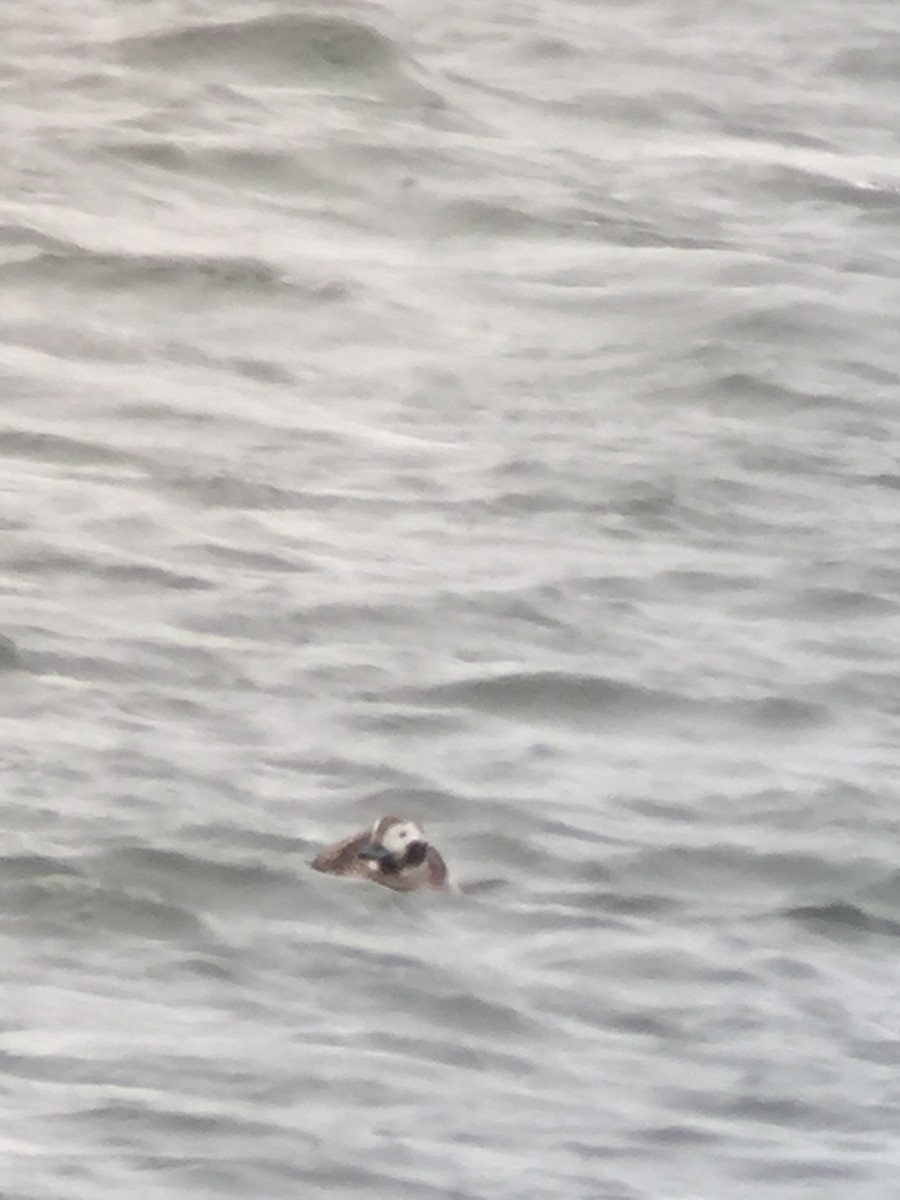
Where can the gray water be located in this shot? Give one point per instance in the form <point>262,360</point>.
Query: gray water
<point>486,413</point>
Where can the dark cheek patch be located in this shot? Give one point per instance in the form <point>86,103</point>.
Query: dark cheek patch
<point>415,854</point>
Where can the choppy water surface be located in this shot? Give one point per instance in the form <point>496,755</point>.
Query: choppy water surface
<point>486,413</point>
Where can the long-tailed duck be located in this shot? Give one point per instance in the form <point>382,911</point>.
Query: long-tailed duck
<point>393,852</point>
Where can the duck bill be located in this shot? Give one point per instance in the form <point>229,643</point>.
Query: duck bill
<point>376,853</point>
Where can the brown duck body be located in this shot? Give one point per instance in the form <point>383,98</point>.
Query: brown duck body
<point>393,853</point>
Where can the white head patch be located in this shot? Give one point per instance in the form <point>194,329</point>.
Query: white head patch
<point>397,837</point>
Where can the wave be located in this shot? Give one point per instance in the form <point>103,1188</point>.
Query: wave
<point>556,695</point>
<point>287,44</point>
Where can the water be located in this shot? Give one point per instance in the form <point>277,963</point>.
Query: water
<point>488,415</point>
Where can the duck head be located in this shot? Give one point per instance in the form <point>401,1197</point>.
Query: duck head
<point>394,845</point>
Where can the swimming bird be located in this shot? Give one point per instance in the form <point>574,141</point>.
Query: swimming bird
<point>393,852</point>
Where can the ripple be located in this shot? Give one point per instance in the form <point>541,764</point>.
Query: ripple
<point>188,878</point>
<point>827,603</point>
<point>15,868</point>
<point>43,446</point>
<point>226,490</point>
<point>139,575</point>
<point>782,713</point>
<point>77,266</point>
<point>840,918</point>
<point>10,656</point>
<point>554,696</point>
<point>288,44</point>
<point>70,902</point>
<point>23,244</point>
<point>549,694</point>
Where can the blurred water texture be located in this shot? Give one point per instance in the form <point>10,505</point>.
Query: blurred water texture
<point>486,414</point>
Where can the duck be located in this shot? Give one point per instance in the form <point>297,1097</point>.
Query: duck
<point>392,852</point>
